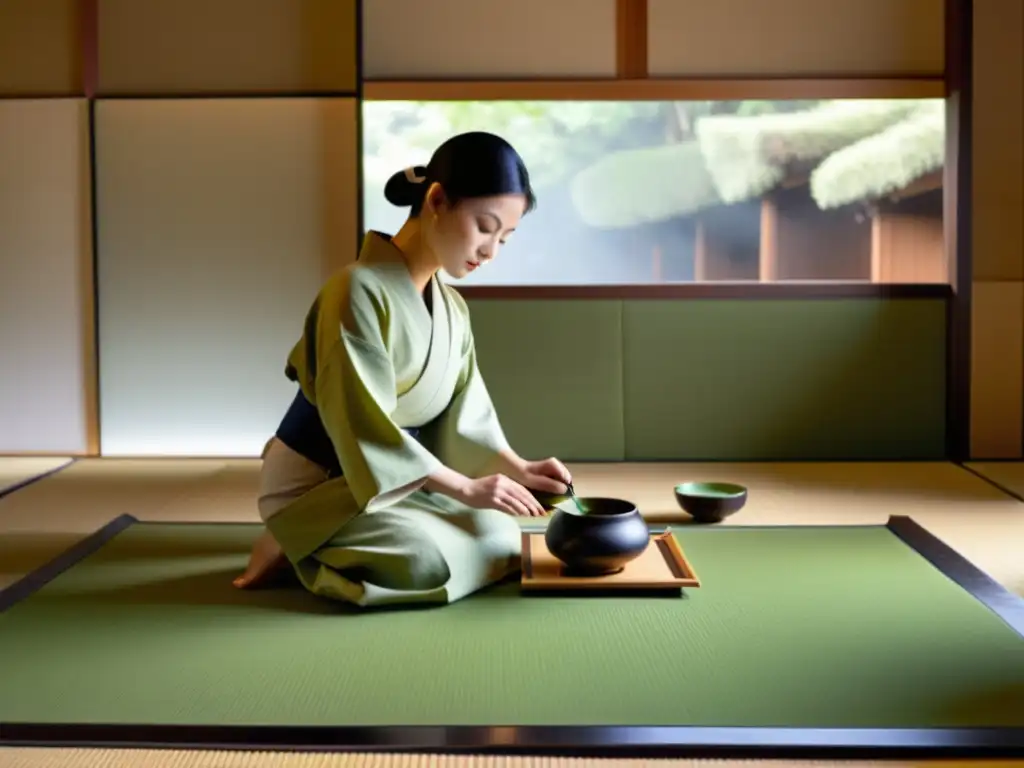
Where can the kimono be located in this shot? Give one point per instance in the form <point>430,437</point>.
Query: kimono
<point>393,377</point>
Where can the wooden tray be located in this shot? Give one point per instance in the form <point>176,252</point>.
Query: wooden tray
<point>662,566</point>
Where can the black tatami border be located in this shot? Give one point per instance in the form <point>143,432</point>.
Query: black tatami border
<point>994,483</point>
<point>1005,604</point>
<point>32,582</point>
<point>586,741</point>
<point>7,491</point>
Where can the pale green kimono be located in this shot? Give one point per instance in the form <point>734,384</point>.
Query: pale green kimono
<point>374,361</point>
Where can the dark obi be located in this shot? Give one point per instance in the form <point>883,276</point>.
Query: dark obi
<point>302,430</point>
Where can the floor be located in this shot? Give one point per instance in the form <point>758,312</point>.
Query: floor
<point>16,471</point>
<point>973,509</point>
<point>152,759</point>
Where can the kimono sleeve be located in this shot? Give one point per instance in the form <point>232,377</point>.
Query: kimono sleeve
<point>355,391</point>
<point>468,434</point>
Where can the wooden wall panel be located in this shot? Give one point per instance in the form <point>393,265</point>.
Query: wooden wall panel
<point>571,408</point>
<point>469,39</point>
<point>40,52</point>
<point>154,47</point>
<point>997,370</point>
<point>998,145</point>
<point>795,38</point>
<point>997,231</point>
<point>748,380</point>
<point>47,335</point>
<point>219,221</point>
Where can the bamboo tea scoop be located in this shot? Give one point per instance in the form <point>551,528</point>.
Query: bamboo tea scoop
<point>576,500</point>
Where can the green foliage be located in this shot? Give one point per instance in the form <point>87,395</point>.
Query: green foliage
<point>555,138</point>
<point>753,108</point>
<point>629,162</point>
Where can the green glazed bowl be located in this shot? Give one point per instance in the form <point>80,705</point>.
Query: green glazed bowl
<point>710,502</point>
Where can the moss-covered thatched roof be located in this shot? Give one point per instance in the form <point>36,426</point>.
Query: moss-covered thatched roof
<point>640,186</point>
<point>858,149</point>
<point>748,156</point>
<point>884,163</point>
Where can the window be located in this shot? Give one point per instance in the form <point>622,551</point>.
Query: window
<point>695,191</point>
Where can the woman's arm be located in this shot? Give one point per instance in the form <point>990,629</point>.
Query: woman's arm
<point>496,491</point>
<point>468,436</point>
<point>510,463</point>
<point>447,481</point>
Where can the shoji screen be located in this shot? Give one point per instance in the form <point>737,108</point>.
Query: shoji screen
<point>226,155</point>
<point>47,373</point>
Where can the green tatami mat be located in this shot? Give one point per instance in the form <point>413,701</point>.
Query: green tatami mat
<point>801,627</point>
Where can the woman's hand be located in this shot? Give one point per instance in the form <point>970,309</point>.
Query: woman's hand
<point>548,475</point>
<point>502,493</point>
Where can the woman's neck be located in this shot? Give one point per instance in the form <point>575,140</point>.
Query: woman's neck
<point>420,261</point>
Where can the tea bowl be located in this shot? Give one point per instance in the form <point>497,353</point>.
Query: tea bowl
<point>710,502</point>
<point>599,540</point>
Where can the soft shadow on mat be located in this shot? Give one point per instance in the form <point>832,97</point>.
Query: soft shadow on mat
<point>213,588</point>
<point>1004,704</point>
<point>147,560</point>
<point>21,551</point>
<point>24,552</point>
<point>209,588</point>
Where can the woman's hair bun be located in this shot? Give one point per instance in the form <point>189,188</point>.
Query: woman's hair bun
<point>406,187</point>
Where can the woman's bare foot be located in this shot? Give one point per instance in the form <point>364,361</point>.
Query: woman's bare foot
<point>265,560</point>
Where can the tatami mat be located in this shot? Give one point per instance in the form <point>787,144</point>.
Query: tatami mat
<point>42,519</point>
<point>15,471</point>
<point>983,523</point>
<point>1008,474</point>
<point>964,510</point>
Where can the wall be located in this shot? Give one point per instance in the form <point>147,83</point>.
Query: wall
<point>47,363</point>
<point>717,379</point>
<point>217,217</point>
<point>997,235</point>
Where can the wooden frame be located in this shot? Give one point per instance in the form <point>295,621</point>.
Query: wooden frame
<point>725,289</point>
<point>656,89</point>
<point>90,44</point>
<point>668,741</point>
<point>631,38</point>
<point>957,222</point>
<point>584,89</point>
<point>632,82</point>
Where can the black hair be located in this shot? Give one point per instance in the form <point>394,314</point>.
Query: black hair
<point>474,164</point>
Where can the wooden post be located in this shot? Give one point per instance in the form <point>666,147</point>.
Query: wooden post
<point>768,255</point>
<point>907,248</point>
<point>700,252</point>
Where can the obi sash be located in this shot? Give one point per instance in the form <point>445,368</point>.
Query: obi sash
<point>302,430</point>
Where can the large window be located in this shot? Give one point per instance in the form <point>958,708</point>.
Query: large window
<point>687,191</point>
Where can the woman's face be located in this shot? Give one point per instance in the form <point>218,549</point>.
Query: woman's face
<point>470,234</point>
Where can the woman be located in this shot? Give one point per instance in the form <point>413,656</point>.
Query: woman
<point>390,480</point>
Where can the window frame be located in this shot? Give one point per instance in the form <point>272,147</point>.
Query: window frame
<point>677,89</point>
<point>632,82</point>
